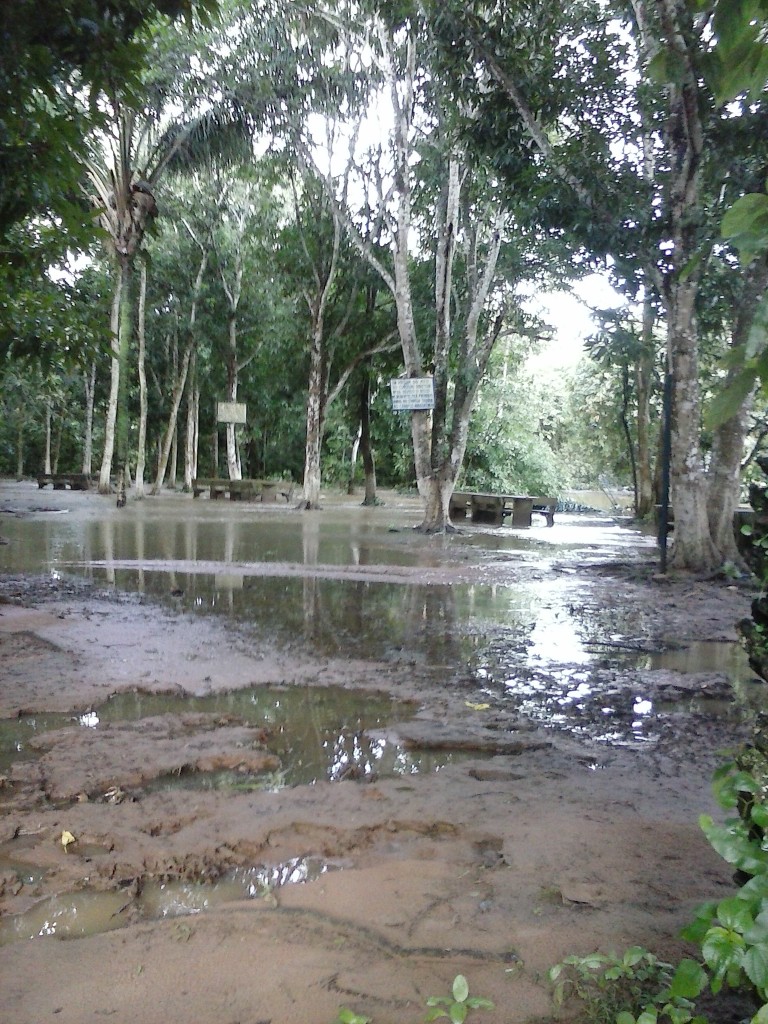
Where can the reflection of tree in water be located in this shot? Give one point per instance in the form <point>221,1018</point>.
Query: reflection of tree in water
<point>610,630</point>
<point>431,624</point>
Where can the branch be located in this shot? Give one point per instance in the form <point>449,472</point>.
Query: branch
<point>386,346</point>
<point>534,130</point>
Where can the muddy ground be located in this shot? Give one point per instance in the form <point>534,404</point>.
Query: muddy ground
<point>534,844</point>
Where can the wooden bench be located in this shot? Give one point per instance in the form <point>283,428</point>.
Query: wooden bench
<point>494,509</point>
<point>62,481</point>
<point>266,491</point>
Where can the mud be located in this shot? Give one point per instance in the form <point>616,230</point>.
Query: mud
<point>543,838</point>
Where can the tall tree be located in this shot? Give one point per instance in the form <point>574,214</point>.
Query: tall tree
<point>464,234</point>
<point>639,155</point>
<point>127,160</point>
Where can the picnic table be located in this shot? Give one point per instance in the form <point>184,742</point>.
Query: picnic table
<point>62,481</point>
<point>243,490</point>
<point>494,509</point>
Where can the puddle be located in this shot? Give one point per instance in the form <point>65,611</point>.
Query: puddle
<point>585,699</point>
<point>539,642</point>
<point>76,915</point>
<point>318,734</point>
<point>276,572</point>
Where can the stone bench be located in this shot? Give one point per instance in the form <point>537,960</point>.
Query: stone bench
<point>265,491</point>
<point>62,481</point>
<point>494,509</point>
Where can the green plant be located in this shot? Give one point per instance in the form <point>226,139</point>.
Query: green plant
<point>635,988</point>
<point>456,1006</point>
<point>348,1017</point>
<point>733,932</point>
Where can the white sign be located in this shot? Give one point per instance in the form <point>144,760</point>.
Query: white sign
<point>410,393</point>
<point>230,412</point>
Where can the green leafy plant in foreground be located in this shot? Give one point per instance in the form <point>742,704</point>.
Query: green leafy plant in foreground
<point>636,988</point>
<point>731,933</point>
<point>455,1007</point>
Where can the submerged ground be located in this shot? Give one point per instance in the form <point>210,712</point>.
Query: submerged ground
<point>259,764</point>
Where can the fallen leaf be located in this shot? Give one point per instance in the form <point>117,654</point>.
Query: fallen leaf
<point>67,839</point>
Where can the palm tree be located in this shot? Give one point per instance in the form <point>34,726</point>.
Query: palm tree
<point>126,162</point>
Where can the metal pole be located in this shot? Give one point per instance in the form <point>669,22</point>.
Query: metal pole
<point>666,454</point>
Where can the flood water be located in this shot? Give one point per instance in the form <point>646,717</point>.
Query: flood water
<point>536,644</point>
<point>403,598</point>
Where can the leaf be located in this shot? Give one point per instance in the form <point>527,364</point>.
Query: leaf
<point>758,332</point>
<point>746,225</point>
<point>476,707</point>
<point>735,914</point>
<point>625,1017</point>
<point>723,950</point>
<point>689,980</point>
<point>728,402</point>
<point>755,964</point>
<point>648,1017</point>
<point>458,1013</point>
<point>761,1017</point>
<point>460,988</point>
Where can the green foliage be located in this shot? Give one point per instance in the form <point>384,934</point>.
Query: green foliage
<point>636,988</point>
<point>348,1017</point>
<point>733,932</point>
<point>456,1007</point>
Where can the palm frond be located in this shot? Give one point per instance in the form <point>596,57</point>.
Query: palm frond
<point>223,134</point>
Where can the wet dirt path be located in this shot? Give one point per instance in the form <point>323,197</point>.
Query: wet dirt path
<point>533,843</point>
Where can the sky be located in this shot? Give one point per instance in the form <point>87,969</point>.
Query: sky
<point>569,314</point>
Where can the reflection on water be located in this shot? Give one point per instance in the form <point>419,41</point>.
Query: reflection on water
<point>76,915</point>
<point>197,554</point>
<point>590,699</point>
<point>318,733</point>
<point>273,571</point>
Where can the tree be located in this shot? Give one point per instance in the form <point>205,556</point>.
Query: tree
<point>466,234</point>
<point>640,159</point>
<point>55,63</point>
<point>127,159</point>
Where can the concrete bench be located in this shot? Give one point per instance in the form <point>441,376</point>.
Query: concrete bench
<point>266,491</point>
<point>62,481</point>
<point>495,509</point>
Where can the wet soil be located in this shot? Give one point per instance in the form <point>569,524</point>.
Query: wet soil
<point>541,834</point>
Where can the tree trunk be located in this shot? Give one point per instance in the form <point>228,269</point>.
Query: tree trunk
<point>725,464</point>
<point>174,461</point>
<point>90,391</point>
<point>366,449</point>
<point>181,378</point>
<point>20,446</point>
<point>125,331</point>
<point>191,436</point>
<point>141,454</point>
<point>47,458</point>
<point>683,143</point>
<point>353,454</point>
<point>693,546</point>
<point>56,452</point>
<point>105,474</point>
<point>643,384</point>
<point>170,431</point>
<point>314,440</point>
<point>725,482</point>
